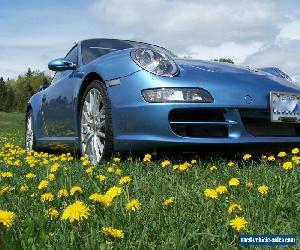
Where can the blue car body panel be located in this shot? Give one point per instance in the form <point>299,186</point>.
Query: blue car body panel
<point>240,94</point>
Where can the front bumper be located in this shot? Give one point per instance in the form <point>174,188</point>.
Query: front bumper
<point>141,126</point>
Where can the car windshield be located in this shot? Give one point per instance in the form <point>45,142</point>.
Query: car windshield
<point>94,48</point>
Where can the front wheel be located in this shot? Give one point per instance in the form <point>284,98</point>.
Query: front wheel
<point>95,123</point>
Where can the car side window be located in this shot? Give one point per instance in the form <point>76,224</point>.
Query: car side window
<point>73,57</point>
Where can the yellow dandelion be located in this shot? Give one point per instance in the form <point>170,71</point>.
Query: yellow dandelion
<point>52,213</point>
<point>247,157</point>
<point>234,182</point>
<point>77,211</point>
<point>296,159</point>
<point>271,158</point>
<point>85,162</point>
<point>51,177</point>
<point>168,202</point>
<point>30,176</point>
<point>125,180</point>
<point>263,189</point>
<point>165,163</point>
<point>114,191</point>
<point>47,197</point>
<point>43,184</point>
<point>7,174</point>
<point>75,189</point>
<point>7,218</point>
<point>23,188</point>
<point>281,154</point>
<point>105,200</point>
<point>45,162</point>
<point>211,193</point>
<point>221,189</point>
<point>110,170</point>
<point>147,158</point>
<point>83,158</point>
<point>234,207</point>
<point>101,177</point>
<point>112,232</point>
<point>89,170</point>
<point>287,165</point>
<point>116,159</point>
<point>54,168</point>
<point>193,161</point>
<point>118,171</point>
<point>238,223</point>
<point>231,164</point>
<point>96,197</point>
<point>133,205</point>
<point>183,167</point>
<point>175,167</point>
<point>295,151</point>
<point>212,168</point>
<point>62,193</point>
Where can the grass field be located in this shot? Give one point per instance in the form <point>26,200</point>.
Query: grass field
<point>149,203</point>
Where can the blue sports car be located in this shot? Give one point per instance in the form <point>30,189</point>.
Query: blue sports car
<point>118,95</point>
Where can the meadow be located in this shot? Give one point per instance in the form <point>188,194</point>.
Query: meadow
<point>152,202</point>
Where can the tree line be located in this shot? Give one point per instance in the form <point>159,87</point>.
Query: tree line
<point>15,93</point>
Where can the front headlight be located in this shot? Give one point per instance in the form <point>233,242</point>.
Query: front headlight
<point>177,95</point>
<point>155,62</point>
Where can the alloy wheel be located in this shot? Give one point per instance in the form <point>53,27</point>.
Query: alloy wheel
<point>93,126</point>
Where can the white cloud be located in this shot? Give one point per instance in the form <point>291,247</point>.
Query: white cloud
<point>282,53</point>
<point>290,30</point>
<point>237,52</point>
<point>181,23</point>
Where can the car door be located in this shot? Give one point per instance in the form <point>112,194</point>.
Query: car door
<point>58,102</point>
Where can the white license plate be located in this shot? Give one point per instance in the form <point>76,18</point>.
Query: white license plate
<point>285,107</point>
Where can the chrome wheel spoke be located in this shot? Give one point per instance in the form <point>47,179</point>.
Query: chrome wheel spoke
<point>100,134</point>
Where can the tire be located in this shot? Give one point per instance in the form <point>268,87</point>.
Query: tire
<point>29,132</point>
<point>95,123</point>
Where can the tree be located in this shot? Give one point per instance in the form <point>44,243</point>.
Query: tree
<point>226,60</point>
<point>3,94</point>
<point>1,81</point>
<point>29,72</point>
<point>15,93</point>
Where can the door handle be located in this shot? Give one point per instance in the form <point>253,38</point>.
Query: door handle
<point>44,98</point>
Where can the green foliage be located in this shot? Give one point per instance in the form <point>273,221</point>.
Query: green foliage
<point>226,60</point>
<point>15,93</point>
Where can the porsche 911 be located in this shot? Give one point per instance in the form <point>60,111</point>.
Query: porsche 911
<point>112,95</point>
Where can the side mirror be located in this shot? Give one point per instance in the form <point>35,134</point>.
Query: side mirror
<point>61,65</point>
<point>44,86</point>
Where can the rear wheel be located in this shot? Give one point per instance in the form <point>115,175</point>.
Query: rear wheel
<point>29,132</point>
<point>95,123</point>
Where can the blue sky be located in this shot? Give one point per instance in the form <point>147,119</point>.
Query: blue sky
<point>256,33</point>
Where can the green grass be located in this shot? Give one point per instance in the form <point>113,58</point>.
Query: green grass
<point>193,221</point>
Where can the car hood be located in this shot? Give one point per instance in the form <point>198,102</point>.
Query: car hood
<point>226,73</point>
